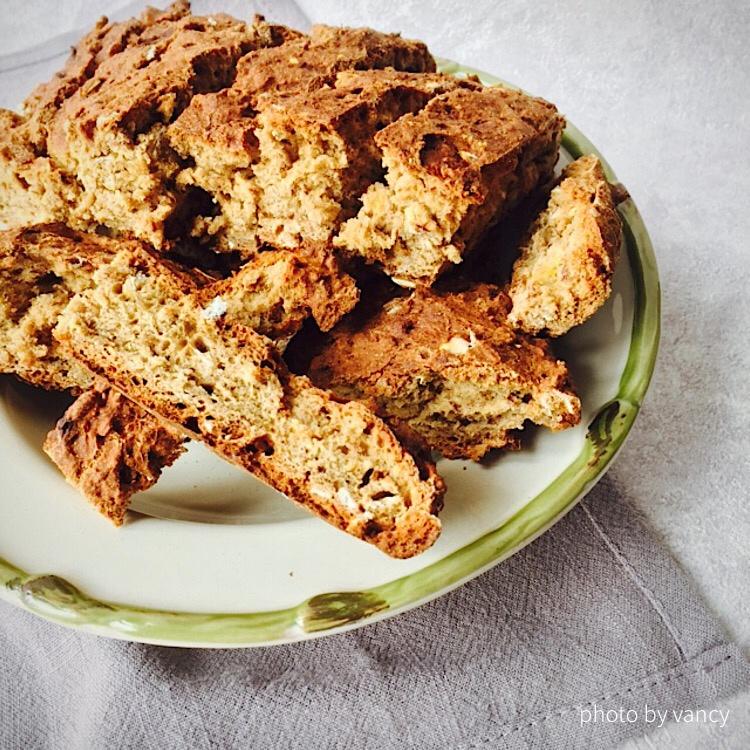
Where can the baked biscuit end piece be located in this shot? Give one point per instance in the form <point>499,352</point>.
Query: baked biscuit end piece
<point>453,170</point>
<point>277,290</point>
<point>564,273</point>
<point>452,368</point>
<point>226,385</point>
<point>109,449</point>
<point>109,133</point>
<point>41,268</point>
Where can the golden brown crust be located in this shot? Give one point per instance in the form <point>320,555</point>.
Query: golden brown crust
<point>102,121</point>
<point>227,386</point>
<point>109,449</point>
<point>41,268</point>
<point>451,367</point>
<point>219,135</point>
<point>565,269</point>
<point>277,290</point>
<point>454,169</point>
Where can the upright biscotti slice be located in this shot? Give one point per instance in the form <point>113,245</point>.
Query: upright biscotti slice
<point>453,170</point>
<point>110,133</point>
<point>216,134</point>
<point>318,153</point>
<point>564,273</point>
<point>453,369</point>
<point>142,330</point>
<point>109,448</point>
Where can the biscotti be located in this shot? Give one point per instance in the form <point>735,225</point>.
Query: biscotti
<point>41,268</point>
<point>110,133</point>
<point>453,170</point>
<point>32,191</point>
<point>142,330</point>
<point>564,272</point>
<point>109,449</point>
<point>453,369</point>
<point>107,446</point>
<point>277,290</point>
<point>218,132</point>
<point>318,153</point>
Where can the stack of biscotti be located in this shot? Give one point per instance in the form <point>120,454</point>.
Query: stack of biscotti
<point>191,195</point>
<point>141,328</point>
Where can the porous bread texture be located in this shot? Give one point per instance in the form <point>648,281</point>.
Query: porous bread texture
<point>105,445</point>
<point>41,268</point>
<point>453,170</point>
<point>453,369</point>
<point>32,191</point>
<point>318,154</point>
<point>109,449</point>
<point>564,272</point>
<point>277,290</point>
<point>217,134</point>
<point>99,126</point>
<point>141,329</point>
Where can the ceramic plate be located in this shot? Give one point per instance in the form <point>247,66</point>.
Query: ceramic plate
<point>215,558</point>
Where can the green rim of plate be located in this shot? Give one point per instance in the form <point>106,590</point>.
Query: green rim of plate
<point>56,599</point>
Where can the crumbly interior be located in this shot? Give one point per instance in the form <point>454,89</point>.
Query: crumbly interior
<point>32,190</point>
<point>407,224</point>
<point>109,449</point>
<point>274,292</point>
<point>227,386</point>
<point>96,134</point>
<point>453,369</point>
<point>453,170</point>
<point>564,272</point>
<point>217,135</point>
<point>41,268</point>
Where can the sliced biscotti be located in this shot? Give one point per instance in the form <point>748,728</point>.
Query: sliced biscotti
<point>32,191</point>
<point>453,170</point>
<point>142,330</point>
<point>110,133</point>
<point>41,268</point>
<point>564,272</point>
<point>277,290</point>
<point>453,369</point>
<point>318,153</point>
<point>109,449</point>
<point>217,136</point>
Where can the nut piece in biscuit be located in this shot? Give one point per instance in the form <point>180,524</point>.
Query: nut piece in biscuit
<point>453,170</point>
<point>142,329</point>
<point>452,368</point>
<point>564,272</point>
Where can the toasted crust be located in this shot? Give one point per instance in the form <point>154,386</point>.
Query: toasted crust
<point>41,268</point>
<point>451,367</point>
<point>142,331</point>
<point>453,170</point>
<point>98,127</point>
<point>564,272</point>
<point>266,120</point>
<point>109,449</point>
<point>277,290</point>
